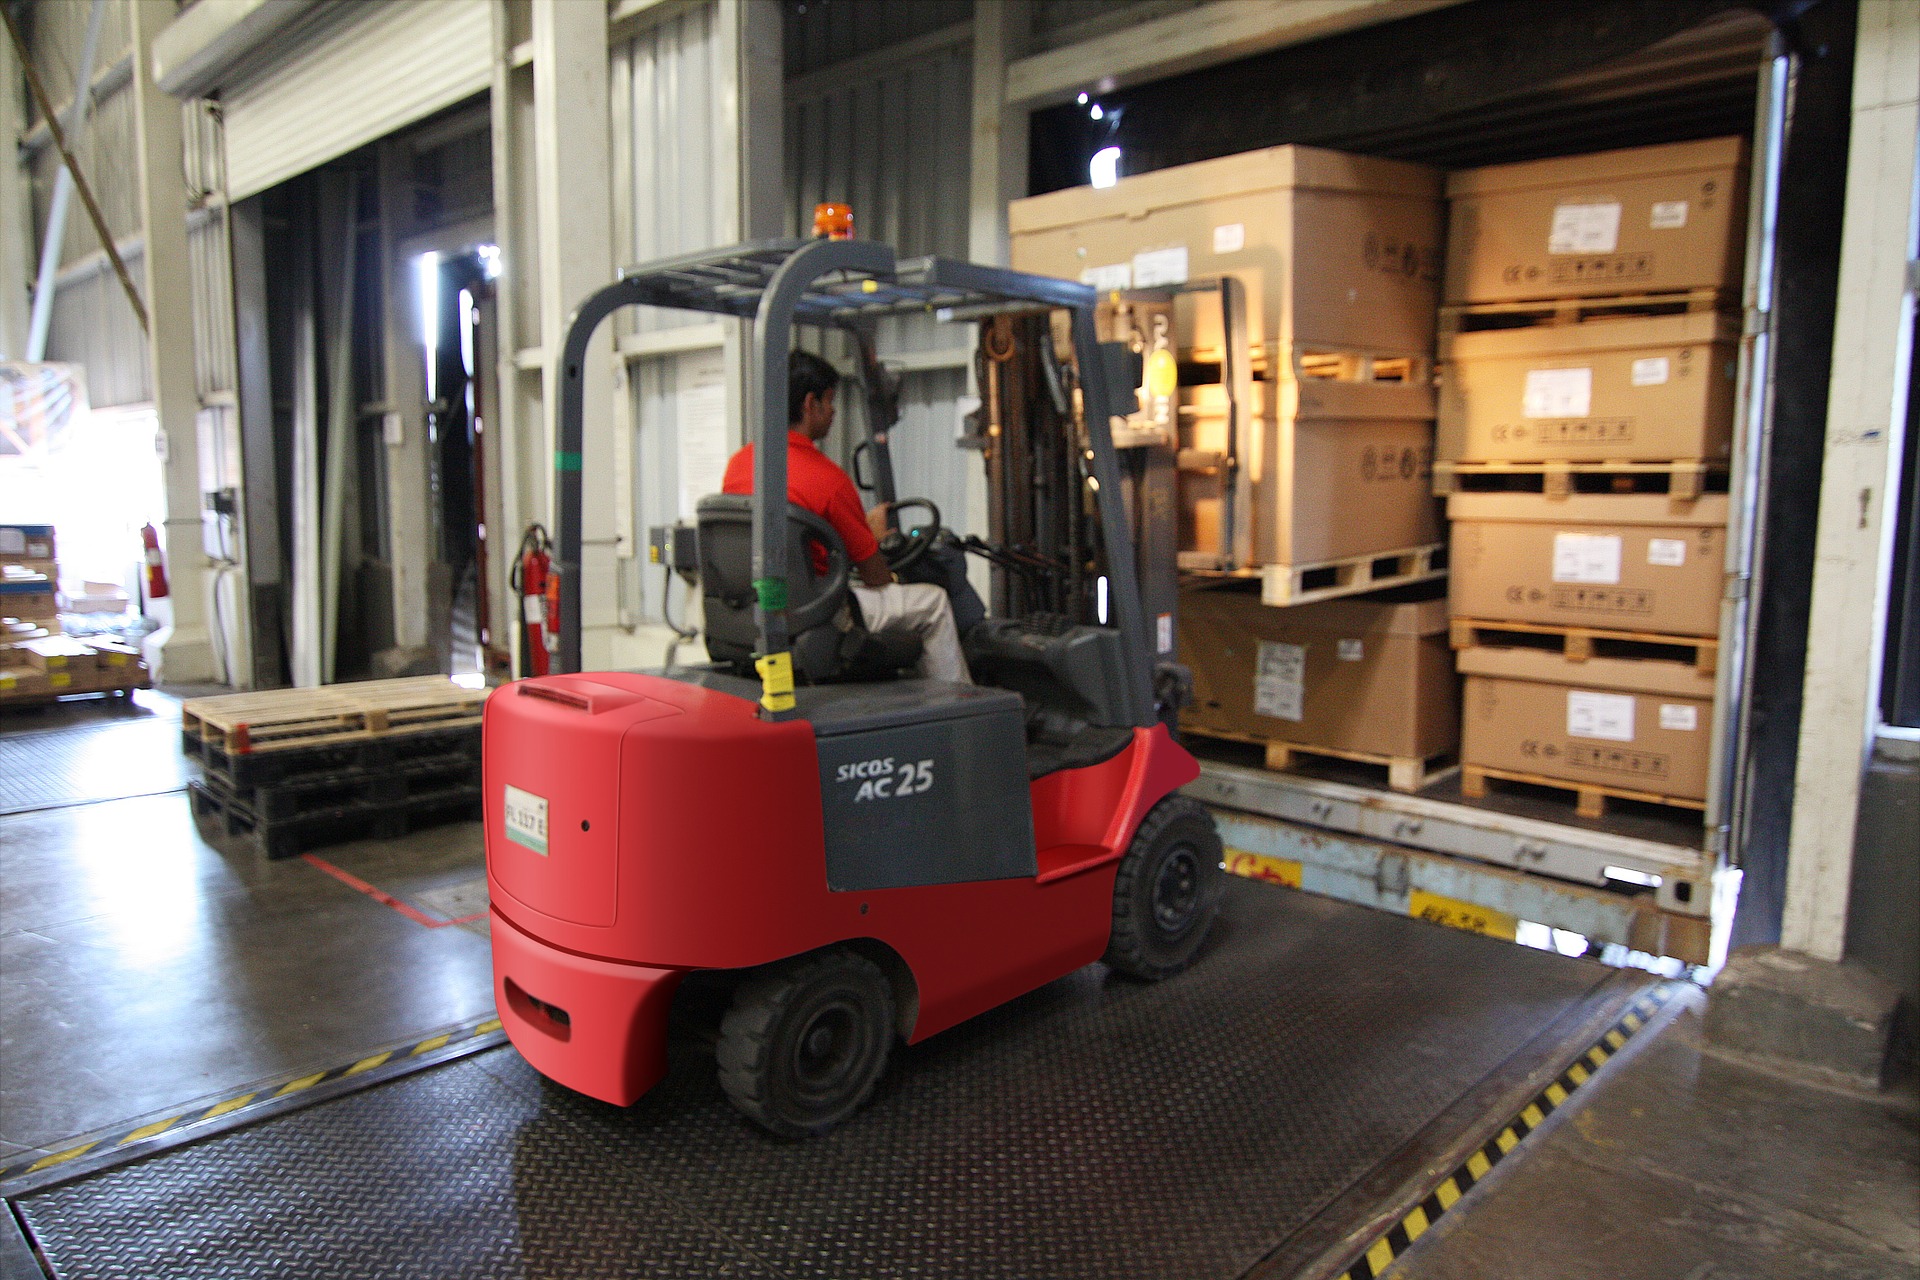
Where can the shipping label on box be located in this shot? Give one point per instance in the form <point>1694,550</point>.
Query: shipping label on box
<point>1280,681</point>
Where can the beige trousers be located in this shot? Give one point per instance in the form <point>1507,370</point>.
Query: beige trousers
<point>922,608</point>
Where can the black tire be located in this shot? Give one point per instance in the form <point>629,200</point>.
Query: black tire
<point>805,1041</point>
<point>1167,891</point>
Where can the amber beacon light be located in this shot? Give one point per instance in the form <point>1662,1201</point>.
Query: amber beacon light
<point>833,221</point>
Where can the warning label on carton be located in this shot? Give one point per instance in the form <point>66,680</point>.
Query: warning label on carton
<point>1230,237</point>
<point>1600,715</point>
<point>1670,553</point>
<point>1118,275</point>
<point>1650,372</point>
<point>1603,599</point>
<point>1352,651</point>
<point>1280,681</point>
<point>1606,268</point>
<point>1160,266</point>
<point>1585,228</point>
<point>1557,393</point>
<point>1643,764</point>
<point>1680,716</point>
<point>1668,215</point>
<point>1586,557</point>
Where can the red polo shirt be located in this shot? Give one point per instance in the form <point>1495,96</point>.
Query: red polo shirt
<point>816,482</point>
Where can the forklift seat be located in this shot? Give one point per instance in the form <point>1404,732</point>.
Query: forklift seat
<point>828,639</point>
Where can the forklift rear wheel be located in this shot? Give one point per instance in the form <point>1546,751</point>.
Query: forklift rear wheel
<point>1166,892</point>
<point>805,1041</point>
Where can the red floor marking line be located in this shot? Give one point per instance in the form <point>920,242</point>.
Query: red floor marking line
<point>384,898</point>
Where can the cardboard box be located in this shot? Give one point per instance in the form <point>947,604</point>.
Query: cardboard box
<point>55,654</point>
<point>1628,562</point>
<point>20,681</point>
<point>1656,389</point>
<point>1333,249</point>
<point>1369,675</point>
<point>26,542</point>
<point>1642,220</point>
<point>29,601</point>
<point>1637,725</point>
<point>1336,470</point>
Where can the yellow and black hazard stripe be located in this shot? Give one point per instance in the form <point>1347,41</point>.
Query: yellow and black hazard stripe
<point>91,1152</point>
<point>1398,1238</point>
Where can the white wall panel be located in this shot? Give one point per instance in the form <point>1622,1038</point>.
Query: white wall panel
<point>215,357</point>
<point>893,141</point>
<point>94,326</point>
<point>394,62</point>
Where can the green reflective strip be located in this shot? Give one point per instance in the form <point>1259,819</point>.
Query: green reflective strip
<point>564,461</point>
<point>772,593</point>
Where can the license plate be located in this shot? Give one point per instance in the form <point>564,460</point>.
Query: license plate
<point>527,820</point>
<point>1456,914</point>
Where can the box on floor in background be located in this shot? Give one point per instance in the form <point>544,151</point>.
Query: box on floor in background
<point>1334,249</point>
<point>1623,724</point>
<point>54,653</point>
<point>1367,675</point>
<point>1643,220</point>
<point>26,542</point>
<point>1653,389</point>
<point>1337,470</point>
<point>1624,561</point>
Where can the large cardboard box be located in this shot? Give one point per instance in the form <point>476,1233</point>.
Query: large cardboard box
<point>31,601</point>
<point>1655,389</point>
<point>55,654</point>
<point>1368,675</point>
<point>26,542</point>
<point>1642,220</point>
<point>1334,249</point>
<point>1335,470</point>
<point>1635,725</point>
<point>1627,562</point>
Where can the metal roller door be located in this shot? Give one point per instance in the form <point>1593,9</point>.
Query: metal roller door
<point>388,65</point>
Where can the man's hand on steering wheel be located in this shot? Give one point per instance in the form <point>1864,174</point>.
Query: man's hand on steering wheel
<point>903,549</point>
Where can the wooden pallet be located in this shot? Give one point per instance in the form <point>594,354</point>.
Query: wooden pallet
<point>1591,797</point>
<point>282,719</point>
<point>224,822</point>
<point>1682,479</point>
<point>1308,362</point>
<point>1290,584</point>
<point>1404,773</point>
<point>1546,312</point>
<point>1578,644</point>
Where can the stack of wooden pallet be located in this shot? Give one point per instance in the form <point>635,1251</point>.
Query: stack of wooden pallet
<point>288,770</point>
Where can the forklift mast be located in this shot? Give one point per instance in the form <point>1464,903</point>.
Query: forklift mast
<point>850,284</point>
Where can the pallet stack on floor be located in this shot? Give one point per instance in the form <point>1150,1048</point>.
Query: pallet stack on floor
<point>1288,535</point>
<point>288,770</point>
<point>1588,352</point>
<point>38,663</point>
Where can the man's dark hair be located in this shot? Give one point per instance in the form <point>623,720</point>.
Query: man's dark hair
<point>807,374</point>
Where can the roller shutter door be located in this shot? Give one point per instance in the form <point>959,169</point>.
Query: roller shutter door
<point>390,64</point>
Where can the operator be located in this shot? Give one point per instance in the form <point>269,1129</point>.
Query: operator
<point>816,482</point>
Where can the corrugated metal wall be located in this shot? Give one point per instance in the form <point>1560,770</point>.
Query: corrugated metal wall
<point>820,33</point>
<point>93,325</point>
<point>671,135</point>
<point>893,141</point>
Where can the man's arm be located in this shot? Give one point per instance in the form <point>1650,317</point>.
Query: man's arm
<point>874,571</point>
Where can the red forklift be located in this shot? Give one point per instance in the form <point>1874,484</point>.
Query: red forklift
<point>866,855</point>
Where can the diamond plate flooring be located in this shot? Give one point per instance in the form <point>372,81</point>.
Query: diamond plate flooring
<point>1096,1128</point>
<point>113,759</point>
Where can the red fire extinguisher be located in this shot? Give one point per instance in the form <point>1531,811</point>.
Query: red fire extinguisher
<point>538,585</point>
<point>156,562</point>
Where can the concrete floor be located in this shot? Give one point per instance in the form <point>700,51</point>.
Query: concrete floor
<point>141,968</point>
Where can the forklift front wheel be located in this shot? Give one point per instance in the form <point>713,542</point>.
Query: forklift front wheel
<point>1166,892</point>
<point>805,1041</point>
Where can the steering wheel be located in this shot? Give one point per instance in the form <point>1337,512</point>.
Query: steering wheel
<point>903,550</point>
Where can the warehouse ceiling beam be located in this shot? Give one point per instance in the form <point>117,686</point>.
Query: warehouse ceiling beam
<point>1185,41</point>
<point>212,40</point>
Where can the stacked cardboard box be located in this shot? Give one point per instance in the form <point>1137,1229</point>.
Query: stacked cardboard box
<point>1338,257</point>
<point>37,662</point>
<point>1587,366</point>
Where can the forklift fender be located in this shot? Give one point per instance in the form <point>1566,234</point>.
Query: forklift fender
<point>598,1027</point>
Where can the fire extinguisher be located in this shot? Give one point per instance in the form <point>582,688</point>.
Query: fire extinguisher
<point>537,584</point>
<point>156,562</point>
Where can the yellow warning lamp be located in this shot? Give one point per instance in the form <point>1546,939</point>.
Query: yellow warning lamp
<point>832,221</point>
